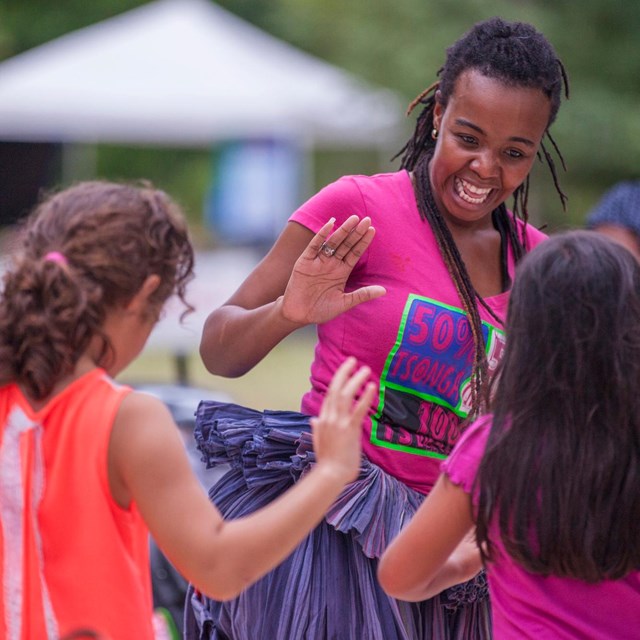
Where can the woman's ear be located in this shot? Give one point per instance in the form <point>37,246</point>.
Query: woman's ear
<point>438,110</point>
<point>140,301</point>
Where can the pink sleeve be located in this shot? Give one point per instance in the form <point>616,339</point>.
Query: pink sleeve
<point>339,200</point>
<point>462,464</point>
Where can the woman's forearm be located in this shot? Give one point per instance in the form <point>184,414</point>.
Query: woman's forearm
<point>235,339</point>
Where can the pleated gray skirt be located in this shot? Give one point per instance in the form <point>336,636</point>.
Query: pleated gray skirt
<point>327,588</point>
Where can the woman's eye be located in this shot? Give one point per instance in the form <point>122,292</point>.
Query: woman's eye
<point>514,153</point>
<point>467,139</point>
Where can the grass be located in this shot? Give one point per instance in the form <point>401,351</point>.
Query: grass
<point>278,382</point>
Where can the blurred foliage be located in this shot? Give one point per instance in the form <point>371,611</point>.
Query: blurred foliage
<point>28,23</point>
<point>183,173</point>
<point>401,44</point>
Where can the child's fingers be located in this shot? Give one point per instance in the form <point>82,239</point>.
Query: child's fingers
<point>344,387</point>
<point>365,401</point>
<point>355,382</point>
<point>343,404</point>
<point>336,431</point>
<point>331,403</point>
<point>361,407</point>
<point>342,374</point>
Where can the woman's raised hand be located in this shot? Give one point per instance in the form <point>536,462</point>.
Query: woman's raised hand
<point>316,289</point>
<point>337,430</point>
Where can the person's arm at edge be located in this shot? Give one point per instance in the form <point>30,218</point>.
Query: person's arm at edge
<point>433,552</point>
<point>255,310</point>
<point>221,558</point>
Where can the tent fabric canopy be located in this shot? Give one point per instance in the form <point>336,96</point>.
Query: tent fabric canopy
<point>185,72</point>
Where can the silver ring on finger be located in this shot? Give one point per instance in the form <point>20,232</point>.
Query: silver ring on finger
<point>327,250</point>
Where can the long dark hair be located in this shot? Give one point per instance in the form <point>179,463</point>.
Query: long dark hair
<point>110,238</point>
<point>561,471</point>
<point>518,55</point>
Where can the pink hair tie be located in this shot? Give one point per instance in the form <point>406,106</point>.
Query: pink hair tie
<point>56,256</point>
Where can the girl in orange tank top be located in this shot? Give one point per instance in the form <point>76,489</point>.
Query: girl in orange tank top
<point>89,467</point>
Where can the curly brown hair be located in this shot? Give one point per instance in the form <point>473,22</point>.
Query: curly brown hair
<point>112,236</point>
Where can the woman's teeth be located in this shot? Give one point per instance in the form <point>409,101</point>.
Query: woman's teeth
<point>470,193</point>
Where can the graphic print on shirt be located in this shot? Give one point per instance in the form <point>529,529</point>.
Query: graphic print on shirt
<point>425,385</point>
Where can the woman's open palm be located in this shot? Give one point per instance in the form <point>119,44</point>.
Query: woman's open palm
<point>316,292</point>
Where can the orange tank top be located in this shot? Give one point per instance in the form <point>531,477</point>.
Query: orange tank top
<point>70,557</point>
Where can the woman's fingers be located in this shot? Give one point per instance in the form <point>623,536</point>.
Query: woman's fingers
<point>363,294</point>
<point>314,247</point>
<point>351,238</point>
<point>354,244</point>
<point>316,291</point>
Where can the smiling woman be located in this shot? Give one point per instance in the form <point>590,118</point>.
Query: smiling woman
<point>415,284</point>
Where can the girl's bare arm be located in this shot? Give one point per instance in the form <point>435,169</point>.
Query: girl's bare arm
<point>435,550</point>
<point>148,464</point>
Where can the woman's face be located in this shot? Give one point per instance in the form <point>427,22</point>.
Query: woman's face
<point>488,137</point>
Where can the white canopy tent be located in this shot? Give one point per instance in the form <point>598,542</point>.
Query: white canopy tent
<point>185,73</point>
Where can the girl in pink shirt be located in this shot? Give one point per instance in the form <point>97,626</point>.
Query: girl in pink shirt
<point>549,479</point>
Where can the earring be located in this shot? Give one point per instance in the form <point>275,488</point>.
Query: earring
<point>434,133</point>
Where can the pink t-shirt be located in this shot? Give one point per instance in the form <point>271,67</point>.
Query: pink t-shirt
<point>526,606</point>
<point>416,338</point>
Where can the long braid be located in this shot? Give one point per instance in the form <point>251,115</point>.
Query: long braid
<point>460,277</point>
<point>504,224</point>
<point>552,168</point>
<point>421,139</point>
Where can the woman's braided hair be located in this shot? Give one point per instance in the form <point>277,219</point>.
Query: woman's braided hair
<point>519,56</point>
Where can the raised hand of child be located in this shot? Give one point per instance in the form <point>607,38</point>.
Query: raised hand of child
<point>337,430</point>
<point>315,292</point>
